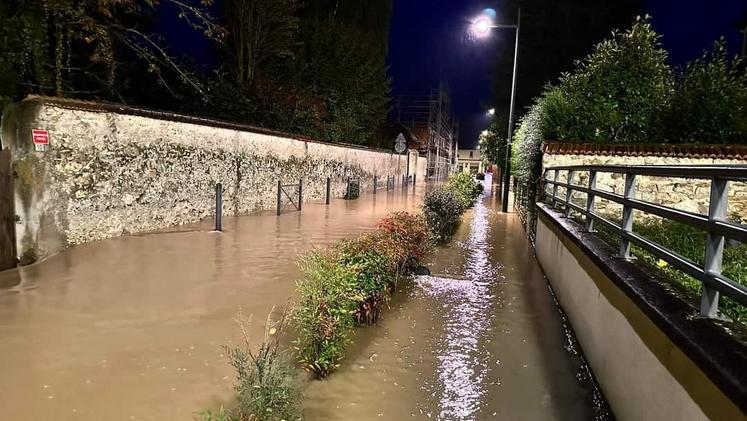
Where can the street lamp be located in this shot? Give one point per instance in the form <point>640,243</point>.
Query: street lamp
<point>491,111</point>
<point>507,175</point>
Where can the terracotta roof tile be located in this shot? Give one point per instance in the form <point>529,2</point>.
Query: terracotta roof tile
<point>665,150</point>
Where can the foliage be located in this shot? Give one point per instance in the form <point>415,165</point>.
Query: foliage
<point>348,284</point>
<point>442,210</point>
<point>526,159</point>
<point>614,94</point>
<point>266,386</point>
<point>553,35</point>
<point>493,144</point>
<point>81,49</point>
<point>709,104</point>
<point>263,36</point>
<point>465,188</point>
<point>690,243</point>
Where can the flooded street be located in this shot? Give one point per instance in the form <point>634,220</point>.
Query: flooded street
<point>132,328</point>
<point>480,339</point>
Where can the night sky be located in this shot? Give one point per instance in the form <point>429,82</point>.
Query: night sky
<point>428,42</point>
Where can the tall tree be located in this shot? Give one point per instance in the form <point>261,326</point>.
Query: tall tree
<point>263,34</point>
<point>75,48</point>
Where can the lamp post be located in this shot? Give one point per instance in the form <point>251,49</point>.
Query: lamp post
<point>481,28</point>
<point>507,175</point>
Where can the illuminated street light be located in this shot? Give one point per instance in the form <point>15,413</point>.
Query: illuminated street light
<point>481,26</point>
<point>491,111</point>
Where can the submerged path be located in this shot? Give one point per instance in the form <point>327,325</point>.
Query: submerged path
<point>132,328</point>
<point>480,339</point>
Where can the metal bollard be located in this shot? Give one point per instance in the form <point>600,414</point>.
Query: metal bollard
<point>376,183</point>
<point>414,178</point>
<point>329,189</point>
<point>280,197</point>
<point>300,193</point>
<point>219,207</point>
<point>347,194</point>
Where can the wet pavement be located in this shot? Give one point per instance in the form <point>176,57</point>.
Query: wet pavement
<point>132,328</point>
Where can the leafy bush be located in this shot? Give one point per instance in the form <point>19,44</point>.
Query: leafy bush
<point>349,284</point>
<point>442,210</point>
<point>614,94</point>
<point>266,386</point>
<point>465,188</point>
<point>710,101</point>
<point>324,316</point>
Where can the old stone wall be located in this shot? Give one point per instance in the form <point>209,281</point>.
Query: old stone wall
<point>112,170</point>
<point>685,194</point>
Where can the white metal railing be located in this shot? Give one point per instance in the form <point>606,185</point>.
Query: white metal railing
<point>714,224</point>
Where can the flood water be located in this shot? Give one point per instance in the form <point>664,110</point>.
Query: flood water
<point>132,328</point>
<point>479,339</point>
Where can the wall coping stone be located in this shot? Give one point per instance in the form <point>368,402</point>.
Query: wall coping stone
<point>654,150</point>
<point>110,107</point>
<point>722,357</point>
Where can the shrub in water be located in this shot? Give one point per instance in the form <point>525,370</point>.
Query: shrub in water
<point>324,316</point>
<point>349,283</point>
<point>466,189</point>
<point>442,210</point>
<point>266,386</point>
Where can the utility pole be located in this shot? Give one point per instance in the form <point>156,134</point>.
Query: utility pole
<point>507,175</point>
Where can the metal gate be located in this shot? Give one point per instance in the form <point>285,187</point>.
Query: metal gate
<point>7,214</point>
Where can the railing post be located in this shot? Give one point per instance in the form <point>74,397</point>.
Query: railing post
<point>347,194</point>
<point>627,217</point>
<point>414,178</point>
<point>300,193</point>
<point>714,246</point>
<point>219,207</point>
<point>590,207</point>
<point>376,183</point>
<point>555,189</point>
<point>569,193</point>
<point>329,189</point>
<point>280,197</point>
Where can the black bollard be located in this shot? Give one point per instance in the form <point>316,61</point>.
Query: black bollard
<point>300,193</point>
<point>219,207</point>
<point>376,183</point>
<point>414,178</point>
<point>329,189</point>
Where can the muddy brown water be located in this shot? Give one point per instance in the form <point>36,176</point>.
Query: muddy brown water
<point>132,328</point>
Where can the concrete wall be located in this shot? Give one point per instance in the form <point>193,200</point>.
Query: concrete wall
<point>112,170</point>
<point>641,371</point>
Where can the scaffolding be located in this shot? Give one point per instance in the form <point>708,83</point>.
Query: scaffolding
<point>430,121</point>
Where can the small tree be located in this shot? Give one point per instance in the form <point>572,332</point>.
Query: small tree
<point>614,94</point>
<point>493,144</point>
<point>710,101</point>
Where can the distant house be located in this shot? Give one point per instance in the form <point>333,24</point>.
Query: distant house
<point>470,161</point>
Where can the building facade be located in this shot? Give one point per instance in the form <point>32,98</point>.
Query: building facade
<point>470,161</point>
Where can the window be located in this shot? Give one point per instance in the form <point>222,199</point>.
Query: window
<point>471,153</point>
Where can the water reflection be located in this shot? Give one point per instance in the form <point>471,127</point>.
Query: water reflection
<point>463,365</point>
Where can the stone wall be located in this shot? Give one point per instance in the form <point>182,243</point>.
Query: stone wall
<point>113,170</point>
<point>685,194</point>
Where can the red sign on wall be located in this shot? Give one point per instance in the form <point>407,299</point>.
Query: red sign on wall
<point>41,137</point>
